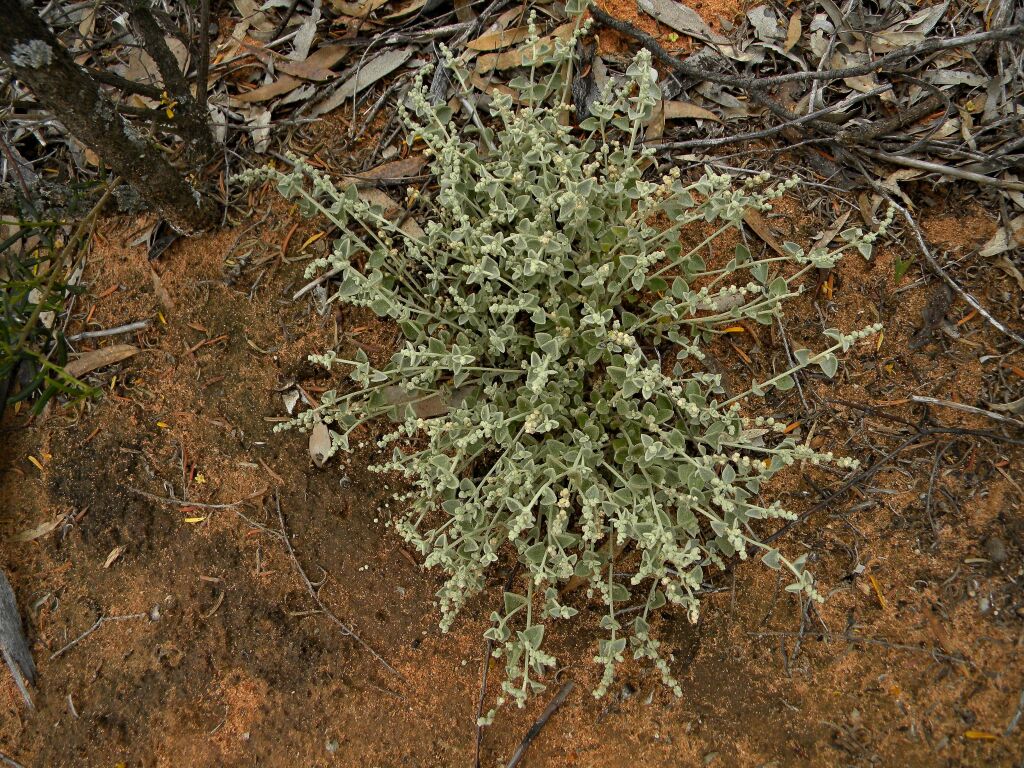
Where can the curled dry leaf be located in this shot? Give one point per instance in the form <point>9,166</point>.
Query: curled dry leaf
<point>115,553</point>
<point>319,443</point>
<point>1005,238</point>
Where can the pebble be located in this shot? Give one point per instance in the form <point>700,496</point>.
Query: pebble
<point>995,548</point>
<point>332,746</point>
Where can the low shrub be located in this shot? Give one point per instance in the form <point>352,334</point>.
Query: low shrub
<point>562,331</point>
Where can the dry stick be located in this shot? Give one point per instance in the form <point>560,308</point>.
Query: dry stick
<point>768,132</point>
<point>969,409</point>
<point>198,505</point>
<point>1016,716</point>
<point>99,623</point>
<point>945,170</point>
<point>934,264</point>
<point>203,65</point>
<point>345,629</point>
<point>760,83</point>
<point>10,761</point>
<point>488,648</point>
<point>859,477</point>
<point>541,721</point>
<point>136,326</point>
<point>853,639</point>
<point>754,87</point>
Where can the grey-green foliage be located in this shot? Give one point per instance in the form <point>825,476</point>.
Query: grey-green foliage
<point>585,436</point>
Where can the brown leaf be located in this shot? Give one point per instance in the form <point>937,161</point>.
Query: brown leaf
<point>682,18</point>
<point>1005,238</point>
<point>464,10</point>
<point>396,169</point>
<point>763,229</point>
<point>1011,269</point>
<point>269,91</point>
<point>115,553</point>
<point>392,209</point>
<point>316,66</point>
<point>793,32</point>
<point>685,110</point>
<point>495,41</point>
<point>98,358</point>
<point>358,10</point>
<point>656,125</point>
<point>161,293</point>
<point>39,531</point>
<point>366,75</point>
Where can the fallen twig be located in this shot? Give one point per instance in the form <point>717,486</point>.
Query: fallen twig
<point>1016,715</point>
<point>849,637</point>
<point>969,409</point>
<point>136,326</point>
<point>945,170</point>
<point>541,722</point>
<point>934,264</point>
<point>313,592</point>
<point>198,505</point>
<point>99,623</point>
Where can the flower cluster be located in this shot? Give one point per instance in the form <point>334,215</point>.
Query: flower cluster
<point>538,302</point>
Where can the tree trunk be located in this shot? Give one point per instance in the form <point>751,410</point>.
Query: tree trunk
<point>191,121</point>
<point>38,60</point>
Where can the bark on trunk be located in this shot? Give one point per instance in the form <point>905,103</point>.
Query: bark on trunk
<point>191,121</point>
<point>38,60</point>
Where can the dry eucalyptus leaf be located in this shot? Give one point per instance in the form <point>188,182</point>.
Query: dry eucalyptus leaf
<point>685,110</point>
<point>291,399</point>
<point>765,23</point>
<point>793,32</point>
<point>38,532</point>
<point>1011,269</point>
<point>319,443</point>
<point>358,10</point>
<point>495,41</point>
<point>763,229</point>
<point>317,67</point>
<point>682,18</point>
<point>366,75</point>
<point>655,127</point>
<point>395,169</point>
<point>374,196</point>
<point>99,358</point>
<point>115,553</point>
<point>1005,238</point>
<point>303,40</point>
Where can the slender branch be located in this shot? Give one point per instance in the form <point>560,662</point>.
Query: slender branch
<point>969,409</point>
<point>203,63</point>
<point>535,729</point>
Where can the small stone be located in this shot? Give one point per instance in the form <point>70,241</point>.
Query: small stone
<point>995,548</point>
<point>710,757</point>
<point>154,613</point>
<point>332,746</point>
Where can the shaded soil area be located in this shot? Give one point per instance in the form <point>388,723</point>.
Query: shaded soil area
<point>171,492</point>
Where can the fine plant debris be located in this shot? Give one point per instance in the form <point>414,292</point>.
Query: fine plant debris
<point>566,333</point>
